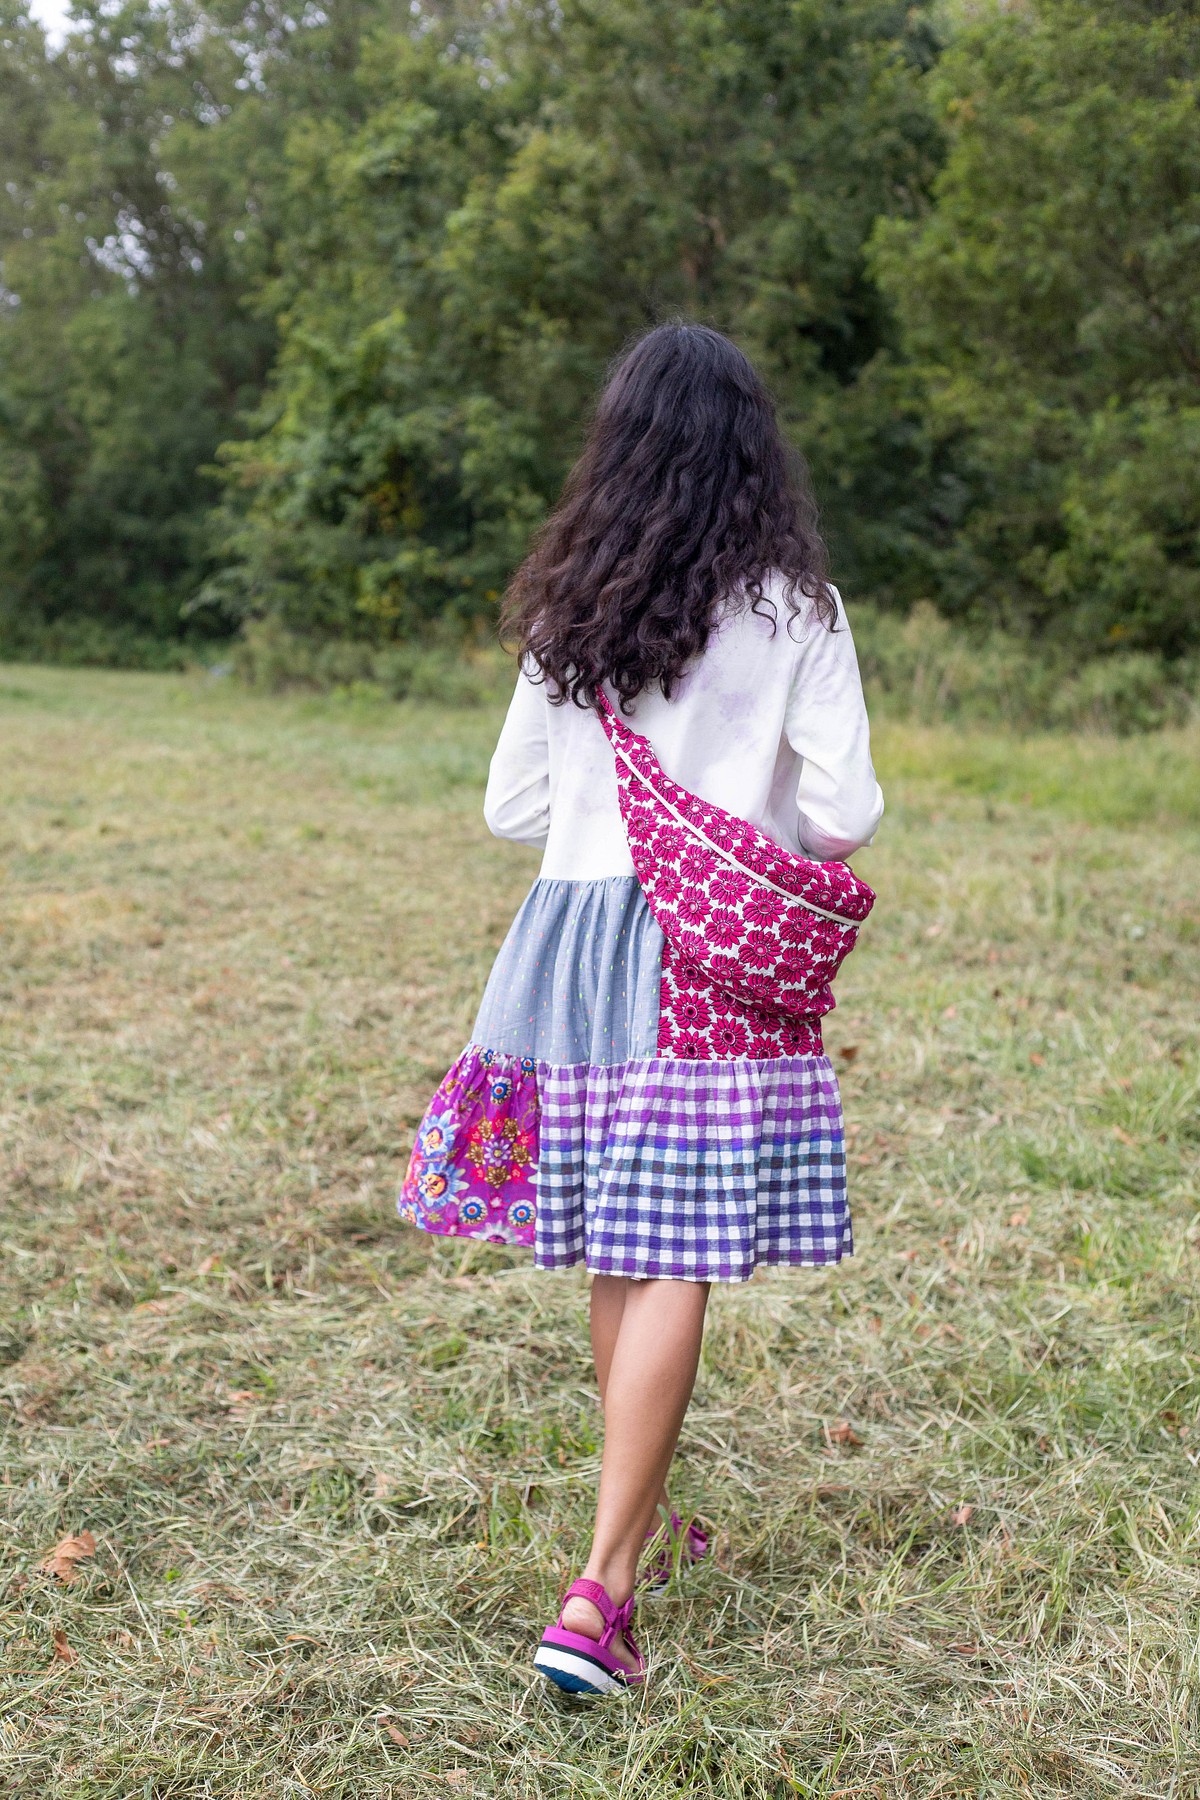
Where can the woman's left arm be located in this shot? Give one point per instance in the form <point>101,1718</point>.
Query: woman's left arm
<point>838,798</point>
<point>517,802</point>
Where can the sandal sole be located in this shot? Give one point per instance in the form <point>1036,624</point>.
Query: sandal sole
<point>574,1672</point>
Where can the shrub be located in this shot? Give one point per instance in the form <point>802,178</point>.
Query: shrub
<point>918,667</point>
<point>1124,693</point>
<point>922,667</point>
<point>269,657</point>
<point>77,641</point>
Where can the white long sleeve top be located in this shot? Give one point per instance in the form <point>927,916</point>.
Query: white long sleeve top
<point>769,724</point>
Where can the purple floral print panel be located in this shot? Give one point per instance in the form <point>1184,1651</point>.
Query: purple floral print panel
<point>474,1162</point>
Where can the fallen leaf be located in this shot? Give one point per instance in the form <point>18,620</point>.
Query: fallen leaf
<point>1020,1217</point>
<point>842,1432</point>
<point>208,1265</point>
<point>963,1514</point>
<point>62,1650</point>
<point>456,1777</point>
<point>951,1012</point>
<point>383,1486</point>
<point>848,1052</point>
<point>909,1255</point>
<point>66,1554</point>
<point>1037,1059</point>
<point>966,1649</point>
<point>397,1736</point>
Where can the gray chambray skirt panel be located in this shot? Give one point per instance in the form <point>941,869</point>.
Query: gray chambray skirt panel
<point>577,978</point>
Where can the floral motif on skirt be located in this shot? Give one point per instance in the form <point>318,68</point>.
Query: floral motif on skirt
<point>473,1166</point>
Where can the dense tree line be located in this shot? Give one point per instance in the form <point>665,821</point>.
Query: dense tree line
<point>300,310</point>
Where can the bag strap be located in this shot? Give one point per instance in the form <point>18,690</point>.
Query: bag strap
<point>609,721</point>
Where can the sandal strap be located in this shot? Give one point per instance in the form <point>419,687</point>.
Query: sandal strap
<point>594,1591</point>
<point>624,1624</point>
<point>616,1618</point>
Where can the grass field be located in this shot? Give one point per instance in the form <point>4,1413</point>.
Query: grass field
<point>336,1473</point>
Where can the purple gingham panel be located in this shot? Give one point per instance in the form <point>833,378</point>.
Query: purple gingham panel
<point>691,1170</point>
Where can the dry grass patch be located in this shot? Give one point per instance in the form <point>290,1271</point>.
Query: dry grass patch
<point>335,1473</point>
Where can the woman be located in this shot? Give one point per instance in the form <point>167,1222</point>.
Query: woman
<point>607,1109</point>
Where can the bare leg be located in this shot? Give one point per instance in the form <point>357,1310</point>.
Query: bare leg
<point>607,1310</point>
<point>647,1380</point>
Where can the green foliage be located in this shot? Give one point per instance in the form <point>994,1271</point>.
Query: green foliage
<point>1051,319</point>
<point>474,253</point>
<point>377,495</point>
<point>918,667</point>
<point>141,215</point>
<point>124,352</point>
<point>269,657</point>
<point>300,316</point>
<point>923,667</point>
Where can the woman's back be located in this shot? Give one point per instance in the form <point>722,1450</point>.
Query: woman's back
<point>768,723</point>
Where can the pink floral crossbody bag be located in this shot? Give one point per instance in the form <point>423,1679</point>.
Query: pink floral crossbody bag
<point>754,933</point>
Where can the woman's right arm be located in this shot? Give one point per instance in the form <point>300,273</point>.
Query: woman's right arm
<point>517,802</point>
<point>838,799</point>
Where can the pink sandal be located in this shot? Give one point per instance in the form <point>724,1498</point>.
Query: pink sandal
<point>584,1665</point>
<point>679,1551</point>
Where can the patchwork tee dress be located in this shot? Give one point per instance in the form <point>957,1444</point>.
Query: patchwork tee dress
<point>576,1121</point>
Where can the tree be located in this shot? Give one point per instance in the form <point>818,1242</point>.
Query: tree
<point>1051,319</point>
<point>139,213</point>
<point>517,199</point>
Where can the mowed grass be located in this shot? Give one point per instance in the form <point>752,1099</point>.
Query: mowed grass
<point>337,1474</point>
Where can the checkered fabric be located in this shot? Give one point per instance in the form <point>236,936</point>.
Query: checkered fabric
<point>691,1170</point>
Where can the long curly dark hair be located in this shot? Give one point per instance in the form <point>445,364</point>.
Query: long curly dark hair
<point>685,502</point>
